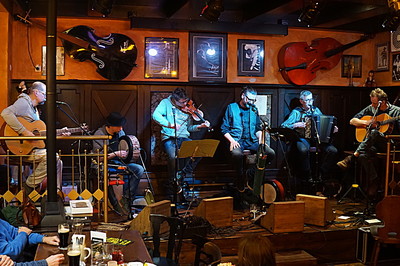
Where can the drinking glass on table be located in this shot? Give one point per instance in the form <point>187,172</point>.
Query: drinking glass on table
<point>63,234</point>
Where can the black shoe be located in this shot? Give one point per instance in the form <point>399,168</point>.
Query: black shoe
<point>345,163</point>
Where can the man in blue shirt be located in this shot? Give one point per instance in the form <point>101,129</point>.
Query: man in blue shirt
<point>176,126</point>
<point>301,119</point>
<point>241,126</point>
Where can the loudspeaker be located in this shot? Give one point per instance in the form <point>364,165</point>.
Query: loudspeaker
<point>318,210</point>
<point>218,211</point>
<point>142,221</point>
<point>283,217</point>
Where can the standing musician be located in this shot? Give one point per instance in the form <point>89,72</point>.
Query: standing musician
<point>26,107</point>
<point>301,119</point>
<point>241,127</point>
<point>113,127</point>
<point>374,140</point>
<point>176,127</point>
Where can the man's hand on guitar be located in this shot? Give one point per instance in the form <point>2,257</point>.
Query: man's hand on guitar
<point>27,133</point>
<point>299,125</point>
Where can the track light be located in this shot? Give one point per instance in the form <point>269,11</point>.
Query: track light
<point>103,6</point>
<point>212,10</point>
<point>310,14</point>
<point>392,22</point>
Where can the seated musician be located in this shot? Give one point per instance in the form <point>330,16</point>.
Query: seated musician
<point>113,127</point>
<point>301,120</point>
<point>241,127</point>
<point>25,107</point>
<point>374,138</point>
<point>176,127</point>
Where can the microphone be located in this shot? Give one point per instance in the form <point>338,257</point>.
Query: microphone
<point>312,108</point>
<point>253,107</point>
<point>59,102</point>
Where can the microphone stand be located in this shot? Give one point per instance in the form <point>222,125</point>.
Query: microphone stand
<point>317,144</point>
<point>175,185</point>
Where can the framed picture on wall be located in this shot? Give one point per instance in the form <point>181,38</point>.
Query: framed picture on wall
<point>251,58</point>
<point>351,66</point>
<point>396,67</point>
<point>382,57</point>
<point>207,59</point>
<point>59,61</point>
<point>161,57</point>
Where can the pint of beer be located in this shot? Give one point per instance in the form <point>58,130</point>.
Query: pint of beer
<point>63,234</point>
<point>74,255</point>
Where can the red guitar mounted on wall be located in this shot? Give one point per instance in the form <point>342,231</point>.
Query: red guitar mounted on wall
<point>299,62</point>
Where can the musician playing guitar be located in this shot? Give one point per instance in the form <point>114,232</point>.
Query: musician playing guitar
<point>301,119</point>
<point>374,140</point>
<point>25,107</point>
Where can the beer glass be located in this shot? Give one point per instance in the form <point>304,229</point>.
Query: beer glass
<point>74,255</point>
<point>77,226</point>
<point>63,234</point>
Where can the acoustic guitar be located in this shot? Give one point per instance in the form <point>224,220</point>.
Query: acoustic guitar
<point>24,147</point>
<point>382,122</point>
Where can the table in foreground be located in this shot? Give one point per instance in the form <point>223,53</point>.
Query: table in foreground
<point>135,251</point>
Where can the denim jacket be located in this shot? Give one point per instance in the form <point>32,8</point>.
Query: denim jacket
<point>232,123</point>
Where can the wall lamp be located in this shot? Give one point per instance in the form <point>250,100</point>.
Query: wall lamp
<point>212,10</point>
<point>103,6</point>
<point>310,13</point>
<point>392,22</point>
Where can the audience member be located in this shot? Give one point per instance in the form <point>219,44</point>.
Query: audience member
<point>256,250</point>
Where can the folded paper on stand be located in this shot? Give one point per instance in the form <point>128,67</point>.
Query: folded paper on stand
<point>80,206</point>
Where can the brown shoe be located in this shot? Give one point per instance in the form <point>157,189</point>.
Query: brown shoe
<point>345,163</point>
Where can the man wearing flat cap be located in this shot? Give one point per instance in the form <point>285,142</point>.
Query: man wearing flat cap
<point>113,127</point>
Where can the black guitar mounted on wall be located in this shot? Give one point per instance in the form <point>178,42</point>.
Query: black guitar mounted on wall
<point>114,55</point>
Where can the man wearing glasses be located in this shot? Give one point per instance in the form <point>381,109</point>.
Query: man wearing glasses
<point>300,119</point>
<point>26,107</point>
<point>241,126</point>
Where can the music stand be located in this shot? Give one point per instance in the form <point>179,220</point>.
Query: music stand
<point>198,148</point>
<point>286,135</point>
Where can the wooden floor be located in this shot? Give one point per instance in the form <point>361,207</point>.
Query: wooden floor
<point>334,244</point>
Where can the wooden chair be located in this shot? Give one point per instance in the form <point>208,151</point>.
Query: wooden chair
<point>176,229</point>
<point>387,210</point>
<point>207,253</point>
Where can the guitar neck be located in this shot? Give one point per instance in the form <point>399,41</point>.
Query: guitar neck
<point>62,35</point>
<point>345,47</point>
<point>388,121</point>
<point>70,130</point>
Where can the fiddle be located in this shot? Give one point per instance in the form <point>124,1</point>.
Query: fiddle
<point>196,113</point>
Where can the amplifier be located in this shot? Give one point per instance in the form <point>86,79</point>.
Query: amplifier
<point>365,243</point>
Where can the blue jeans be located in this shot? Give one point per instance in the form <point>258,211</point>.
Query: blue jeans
<point>186,165</point>
<point>131,179</point>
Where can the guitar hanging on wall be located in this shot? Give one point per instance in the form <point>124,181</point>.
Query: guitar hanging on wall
<point>298,62</point>
<point>114,55</point>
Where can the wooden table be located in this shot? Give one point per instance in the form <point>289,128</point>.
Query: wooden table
<point>135,251</point>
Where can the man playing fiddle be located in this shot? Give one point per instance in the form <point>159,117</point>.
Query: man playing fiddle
<point>241,126</point>
<point>375,140</point>
<point>176,125</point>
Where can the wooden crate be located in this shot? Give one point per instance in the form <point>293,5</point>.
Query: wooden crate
<point>283,217</point>
<point>218,211</point>
<point>142,221</point>
<point>318,210</point>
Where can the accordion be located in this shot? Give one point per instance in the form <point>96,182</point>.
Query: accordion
<point>325,125</point>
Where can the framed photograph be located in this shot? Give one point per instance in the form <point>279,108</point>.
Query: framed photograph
<point>207,60</point>
<point>382,57</point>
<point>59,61</point>
<point>251,58</point>
<point>351,66</point>
<point>396,67</point>
<point>161,57</point>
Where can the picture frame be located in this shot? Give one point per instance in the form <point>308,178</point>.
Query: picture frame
<point>60,61</point>
<point>382,57</point>
<point>396,67</point>
<point>207,60</point>
<point>351,62</point>
<point>251,58</point>
<point>161,57</point>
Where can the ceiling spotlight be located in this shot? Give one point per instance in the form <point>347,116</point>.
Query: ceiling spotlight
<point>103,6</point>
<point>392,22</point>
<point>310,14</point>
<point>212,10</point>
